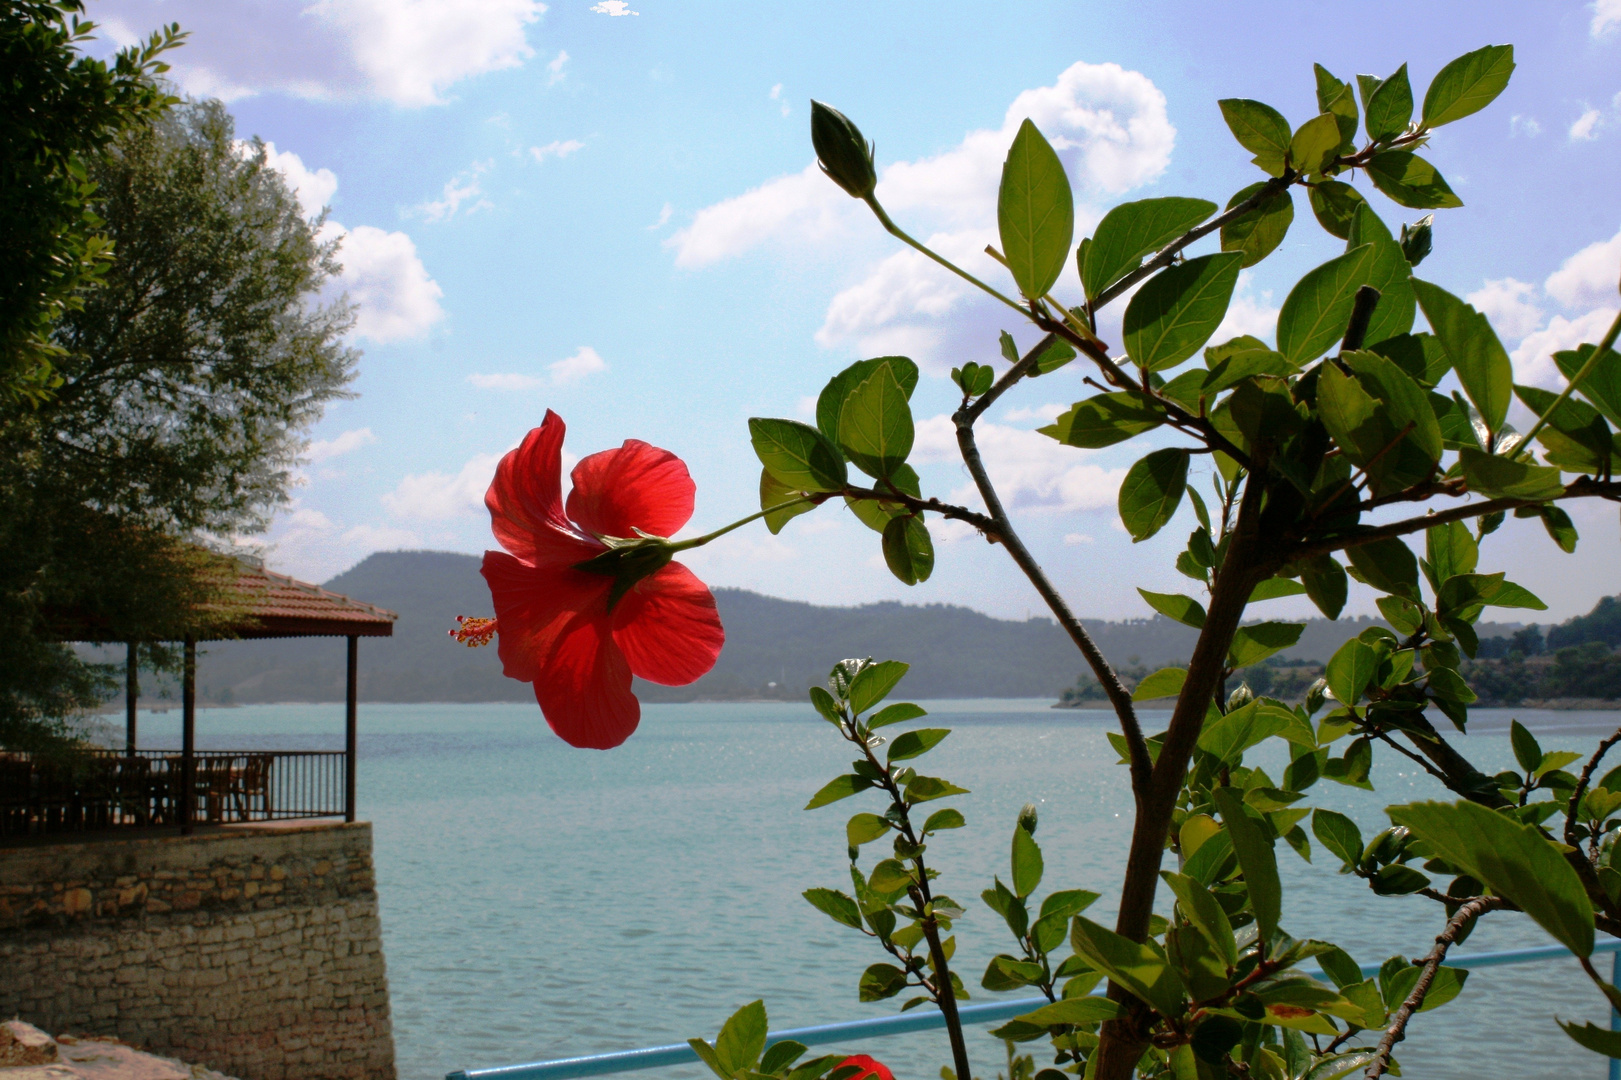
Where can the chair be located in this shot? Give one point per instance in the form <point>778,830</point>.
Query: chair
<point>253,785</point>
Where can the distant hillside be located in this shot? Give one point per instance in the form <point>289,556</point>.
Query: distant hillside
<point>954,651</point>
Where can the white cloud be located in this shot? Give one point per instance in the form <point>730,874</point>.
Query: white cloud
<point>570,369</point>
<point>309,545</point>
<point>1606,16</point>
<point>349,441</point>
<point>408,52</point>
<point>1109,127</point>
<point>1248,314</point>
<point>554,70</point>
<point>382,273</point>
<point>1533,359</point>
<point>382,537</point>
<point>614,7</point>
<point>556,148</point>
<point>1078,538</point>
<point>509,381</point>
<point>1591,276</point>
<point>1509,305</point>
<point>1045,413</point>
<point>776,95</point>
<point>439,496</point>
<point>1524,125</point>
<point>1030,471</point>
<point>314,188</point>
<point>664,218</point>
<point>463,187</point>
<point>574,368</point>
<point>1587,125</point>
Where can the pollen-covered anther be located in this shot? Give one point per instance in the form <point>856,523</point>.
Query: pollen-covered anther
<point>472,631</point>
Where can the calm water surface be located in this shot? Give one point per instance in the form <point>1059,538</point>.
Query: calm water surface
<point>540,902</point>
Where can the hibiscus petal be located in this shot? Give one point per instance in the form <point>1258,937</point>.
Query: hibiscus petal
<point>533,605</point>
<point>525,500</point>
<point>668,627</point>
<point>584,691</point>
<point>634,487</point>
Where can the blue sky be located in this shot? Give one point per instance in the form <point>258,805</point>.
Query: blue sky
<point>610,209</point>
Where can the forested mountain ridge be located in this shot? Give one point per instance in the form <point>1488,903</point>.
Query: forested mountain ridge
<point>774,648</point>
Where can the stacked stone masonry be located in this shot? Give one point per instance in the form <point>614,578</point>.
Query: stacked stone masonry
<point>255,952</point>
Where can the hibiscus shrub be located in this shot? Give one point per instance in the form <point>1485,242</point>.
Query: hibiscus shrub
<point>1331,451</point>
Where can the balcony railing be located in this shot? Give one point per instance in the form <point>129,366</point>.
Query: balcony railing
<point>111,789</point>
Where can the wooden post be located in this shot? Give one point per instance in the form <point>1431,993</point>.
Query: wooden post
<point>349,730</point>
<point>132,691</point>
<point>188,743</point>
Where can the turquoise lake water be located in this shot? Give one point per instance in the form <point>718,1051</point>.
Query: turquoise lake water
<point>540,902</point>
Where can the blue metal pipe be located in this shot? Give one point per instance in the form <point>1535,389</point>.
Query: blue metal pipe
<point>927,1019</point>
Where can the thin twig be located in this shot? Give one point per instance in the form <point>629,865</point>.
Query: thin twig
<point>1581,786</point>
<point>1397,1031</point>
<point>1402,750</point>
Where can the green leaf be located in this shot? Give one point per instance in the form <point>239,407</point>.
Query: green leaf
<point>1410,181</point>
<point>1057,353</point>
<point>1035,212</point>
<point>1184,609</point>
<point>875,424</point>
<point>1338,834</point>
<point>706,1054</point>
<point>1027,864</point>
<point>1392,276</point>
<point>836,905</point>
<point>1151,492</point>
<point>897,713</point>
<point>1226,738</point>
<point>1336,97</point>
<point>797,455</point>
<point>1499,477</point>
<point>742,1038</point>
<point>916,743</point>
<point>1257,232</point>
<point>1472,345</point>
<point>774,493</point>
<point>1084,1010</point>
<point>1067,902</point>
<point>1164,683</point>
<point>1260,129</point>
<point>1135,229</point>
<point>941,820</point>
<point>841,787</point>
<point>1350,669</point>
<point>873,683</point>
<point>1227,371</point>
<point>881,981</point>
<point>1597,1039</point>
<point>1334,203</point>
<point>1514,861</point>
<point>1315,143</point>
<point>908,550</point>
<point>1390,107</point>
<point>1603,384</point>
<point>1175,312</point>
<point>890,876</point>
<point>1318,308</point>
<point>1275,588</point>
<point>1257,641</point>
<point>864,829</point>
<point>1326,585</point>
<point>1205,913</point>
<point>826,706</point>
<point>1467,84</point>
<point>1105,420</point>
<point>1388,565</point>
<point>1255,858</point>
<point>927,788</point>
<point>1526,750</point>
<point>1381,419</point>
<point>1450,549</point>
<point>1137,968</point>
<point>830,403</point>
<point>780,1055</point>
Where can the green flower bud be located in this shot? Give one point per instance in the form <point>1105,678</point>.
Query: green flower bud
<point>841,151</point>
<point>1240,697</point>
<point>1415,239</point>
<point>1315,695</point>
<point>1027,818</point>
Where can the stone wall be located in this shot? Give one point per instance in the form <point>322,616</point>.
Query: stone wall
<point>254,951</point>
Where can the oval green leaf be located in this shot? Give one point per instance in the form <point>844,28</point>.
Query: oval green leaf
<point>1035,212</point>
<point>799,456</point>
<point>1133,230</point>
<point>1468,84</point>
<point>1151,492</point>
<point>1174,314</point>
<point>1318,308</point>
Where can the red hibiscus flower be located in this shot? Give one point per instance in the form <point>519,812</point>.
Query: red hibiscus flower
<point>876,1070</point>
<point>586,595</point>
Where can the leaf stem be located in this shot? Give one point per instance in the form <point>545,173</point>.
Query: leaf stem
<point>700,541</point>
<point>900,234</point>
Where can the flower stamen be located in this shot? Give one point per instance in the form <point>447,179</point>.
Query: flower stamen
<point>473,631</point>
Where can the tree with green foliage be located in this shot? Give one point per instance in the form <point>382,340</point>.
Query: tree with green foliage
<point>58,109</point>
<point>187,381</point>
<point>1328,453</point>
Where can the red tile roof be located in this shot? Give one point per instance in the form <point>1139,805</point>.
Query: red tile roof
<point>280,606</point>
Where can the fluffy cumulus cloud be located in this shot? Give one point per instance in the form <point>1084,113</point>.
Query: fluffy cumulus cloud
<point>441,496</point>
<point>309,545</point>
<point>1250,312</point>
<point>1606,17</point>
<point>395,297</point>
<point>408,52</point>
<point>585,362</point>
<point>1030,471</point>
<point>1526,316</point>
<point>346,443</point>
<point>1110,128</point>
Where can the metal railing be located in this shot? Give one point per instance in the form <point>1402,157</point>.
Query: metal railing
<point>86,790</point>
<point>655,1057</point>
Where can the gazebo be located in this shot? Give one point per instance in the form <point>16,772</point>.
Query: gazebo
<point>156,787</point>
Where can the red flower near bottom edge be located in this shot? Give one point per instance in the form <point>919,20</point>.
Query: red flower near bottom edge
<point>576,619</point>
<point>869,1068</point>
